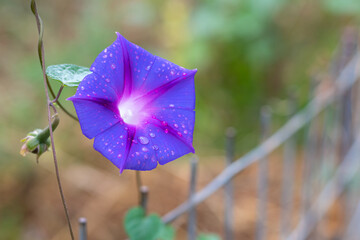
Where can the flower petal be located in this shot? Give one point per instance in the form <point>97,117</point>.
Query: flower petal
<point>93,87</point>
<point>142,155</point>
<point>179,122</point>
<point>109,66</point>
<point>94,117</point>
<point>148,71</point>
<point>176,94</point>
<point>167,144</point>
<point>112,144</point>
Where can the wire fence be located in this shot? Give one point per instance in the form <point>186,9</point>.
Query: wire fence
<point>330,166</point>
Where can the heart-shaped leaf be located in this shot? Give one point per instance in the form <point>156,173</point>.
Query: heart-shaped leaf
<point>141,227</point>
<point>68,74</point>
<point>208,237</point>
<point>167,232</point>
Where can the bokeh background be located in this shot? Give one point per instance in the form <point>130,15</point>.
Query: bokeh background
<point>248,53</point>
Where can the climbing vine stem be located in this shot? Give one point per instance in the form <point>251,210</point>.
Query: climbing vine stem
<point>50,104</point>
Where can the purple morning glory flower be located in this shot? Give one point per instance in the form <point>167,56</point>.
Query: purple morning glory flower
<point>138,107</point>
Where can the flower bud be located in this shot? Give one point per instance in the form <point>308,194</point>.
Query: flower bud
<point>38,141</point>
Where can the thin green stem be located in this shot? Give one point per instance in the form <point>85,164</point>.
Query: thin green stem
<point>42,61</point>
<point>41,54</point>
<point>58,94</point>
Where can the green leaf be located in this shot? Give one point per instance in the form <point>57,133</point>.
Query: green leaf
<point>139,227</point>
<point>208,237</point>
<point>167,232</point>
<point>68,74</point>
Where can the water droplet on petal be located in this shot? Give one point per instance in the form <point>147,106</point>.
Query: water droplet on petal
<point>143,140</point>
<point>185,132</point>
<point>166,130</point>
<point>152,135</point>
<point>148,68</point>
<point>107,80</point>
<point>113,66</point>
<point>172,153</point>
<point>171,105</point>
<point>176,126</point>
<point>155,147</point>
<point>119,156</point>
<point>82,88</point>
<point>145,149</point>
<point>137,153</point>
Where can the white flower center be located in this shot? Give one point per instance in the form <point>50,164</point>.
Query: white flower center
<point>130,112</point>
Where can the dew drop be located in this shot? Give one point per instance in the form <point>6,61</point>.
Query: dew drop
<point>185,132</point>
<point>171,105</point>
<point>119,156</point>
<point>82,88</point>
<point>137,153</point>
<point>107,80</point>
<point>146,156</point>
<point>113,66</point>
<point>105,56</point>
<point>155,147</point>
<point>179,133</point>
<point>152,135</point>
<point>143,140</point>
<point>163,123</point>
<point>144,149</point>
<point>134,141</point>
<point>176,126</point>
<point>172,153</point>
<point>166,130</point>
<point>147,68</point>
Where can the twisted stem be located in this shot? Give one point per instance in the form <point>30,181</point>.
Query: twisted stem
<point>49,103</point>
<point>40,28</point>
